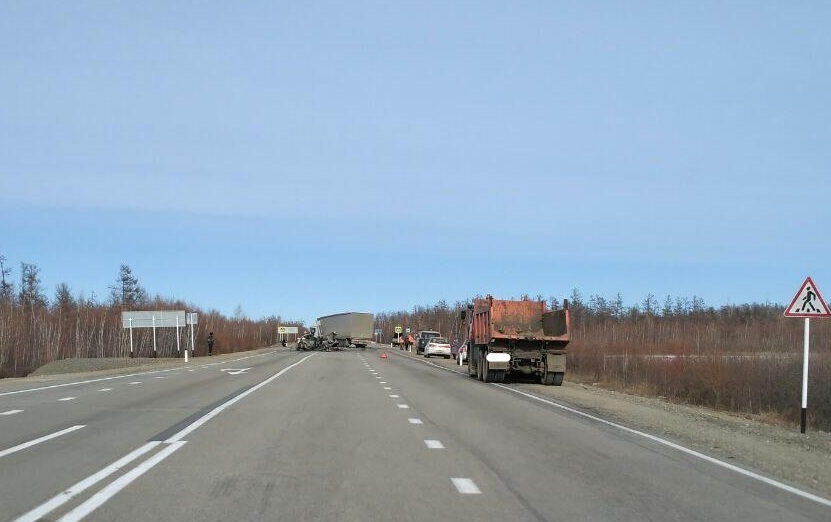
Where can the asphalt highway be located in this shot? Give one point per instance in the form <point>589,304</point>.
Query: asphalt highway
<point>343,436</point>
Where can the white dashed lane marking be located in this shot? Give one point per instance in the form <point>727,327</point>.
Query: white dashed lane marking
<point>434,444</point>
<point>106,389</point>
<point>394,396</point>
<point>403,406</point>
<point>11,412</point>
<point>31,443</point>
<point>134,382</point>
<point>465,486</point>
<point>66,399</point>
<point>415,421</point>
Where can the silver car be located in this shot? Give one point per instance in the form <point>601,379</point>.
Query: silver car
<point>437,346</point>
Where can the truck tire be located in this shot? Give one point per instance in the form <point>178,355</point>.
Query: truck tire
<point>488,375</point>
<point>553,378</point>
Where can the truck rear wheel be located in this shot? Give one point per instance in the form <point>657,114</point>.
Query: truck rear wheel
<point>553,378</point>
<point>488,375</point>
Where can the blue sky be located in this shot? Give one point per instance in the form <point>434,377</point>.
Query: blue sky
<point>306,158</point>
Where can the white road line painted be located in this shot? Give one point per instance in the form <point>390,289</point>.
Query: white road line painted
<point>110,491</point>
<point>387,388</point>
<point>383,382</point>
<point>134,382</point>
<point>377,376</point>
<point>678,447</point>
<point>415,421</point>
<point>174,443</point>
<point>216,411</point>
<point>66,495</point>
<point>465,486</point>
<point>403,406</point>
<point>31,443</point>
<point>106,389</point>
<point>434,444</point>
<point>160,376</point>
<point>394,396</point>
<point>11,412</point>
<point>85,382</point>
<point>67,399</point>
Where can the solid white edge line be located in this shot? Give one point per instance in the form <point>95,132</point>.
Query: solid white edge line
<point>39,440</point>
<point>216,411</point>
<point>465,486</point>
<point>678,447</point>
<point>120,483</point>
<point>65,496</point>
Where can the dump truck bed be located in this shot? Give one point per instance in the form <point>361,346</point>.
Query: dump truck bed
<point>496,319</point>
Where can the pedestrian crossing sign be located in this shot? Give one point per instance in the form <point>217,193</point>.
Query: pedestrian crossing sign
<point>808,302</point>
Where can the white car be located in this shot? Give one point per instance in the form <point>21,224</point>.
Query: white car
<point>437,346</point>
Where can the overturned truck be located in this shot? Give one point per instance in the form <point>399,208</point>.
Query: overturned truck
<point>516,340</point>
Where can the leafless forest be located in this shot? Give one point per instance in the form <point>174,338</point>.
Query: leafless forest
<point>35,330</point>
<point>745,359</point>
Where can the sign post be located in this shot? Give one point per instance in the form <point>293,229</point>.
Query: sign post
<point>192,319</point>
<point>806,303</point>
<point>157,319</point>
<point>398,331</point>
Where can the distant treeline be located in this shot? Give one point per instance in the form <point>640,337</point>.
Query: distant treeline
<point>743,358</point>
<point>35,330</point>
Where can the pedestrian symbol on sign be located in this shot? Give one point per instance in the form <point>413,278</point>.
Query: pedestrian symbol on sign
<point>808,302</point>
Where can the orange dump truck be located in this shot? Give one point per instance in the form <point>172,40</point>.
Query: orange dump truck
<point>517,339</point>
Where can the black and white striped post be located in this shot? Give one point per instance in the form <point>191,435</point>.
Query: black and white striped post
<point>807,303</point>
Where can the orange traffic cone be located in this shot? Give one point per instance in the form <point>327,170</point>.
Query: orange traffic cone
<point>383,355</point>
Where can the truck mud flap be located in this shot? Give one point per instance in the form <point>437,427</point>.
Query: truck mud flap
<point>498,360</point>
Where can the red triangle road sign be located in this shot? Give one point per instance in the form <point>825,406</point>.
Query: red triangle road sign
<point>807,302</point>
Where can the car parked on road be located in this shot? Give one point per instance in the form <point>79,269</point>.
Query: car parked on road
<point>422,337</point>
<point>437,346</point>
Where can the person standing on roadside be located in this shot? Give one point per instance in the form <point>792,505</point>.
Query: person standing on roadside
<point>210,343</point>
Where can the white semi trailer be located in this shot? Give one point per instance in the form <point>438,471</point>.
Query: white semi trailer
<point>345,329</point>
